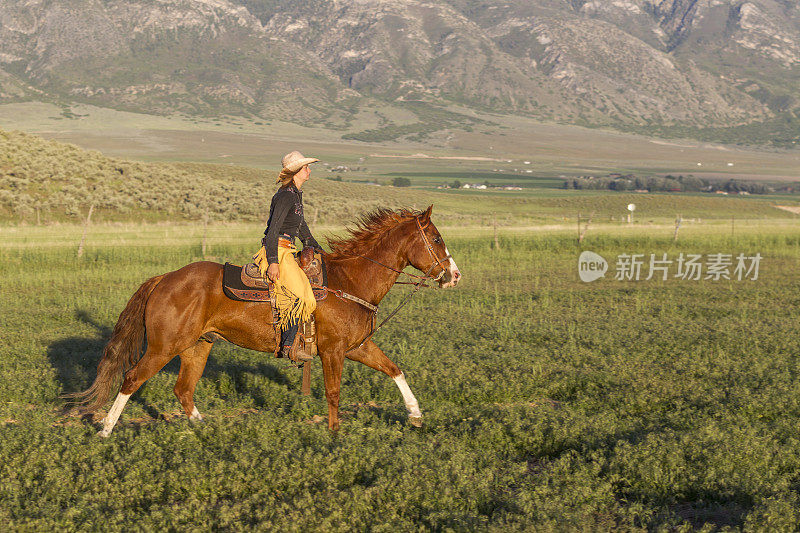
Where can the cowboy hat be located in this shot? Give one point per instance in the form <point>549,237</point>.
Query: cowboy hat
<point>294,161</point>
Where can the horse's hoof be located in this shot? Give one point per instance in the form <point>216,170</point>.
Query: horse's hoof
<point>195,417</point>
<point>103,433</point>
<point>415,421</point>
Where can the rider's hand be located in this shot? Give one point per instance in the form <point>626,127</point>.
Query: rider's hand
<point>273,272</point>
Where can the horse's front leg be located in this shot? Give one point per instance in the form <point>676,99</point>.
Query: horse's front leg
<point>373,357</point>
<point>332,362</point>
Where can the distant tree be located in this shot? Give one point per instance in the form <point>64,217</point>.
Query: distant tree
<point>733,186</point>
<point>401,182</point>
<point>456,184</point>
<point>620,185</point>
<point>692,183</point>
<point>672,184</point>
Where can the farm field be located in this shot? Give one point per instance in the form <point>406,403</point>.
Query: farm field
<point>502,145</point>
<point>549,403</point>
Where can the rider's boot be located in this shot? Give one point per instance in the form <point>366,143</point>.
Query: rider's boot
<point>289,344</point>
<point>307,347</point>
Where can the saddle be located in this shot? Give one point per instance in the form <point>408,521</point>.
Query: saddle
<point>246,284</point>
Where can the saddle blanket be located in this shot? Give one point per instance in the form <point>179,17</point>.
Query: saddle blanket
<point>245,284</point>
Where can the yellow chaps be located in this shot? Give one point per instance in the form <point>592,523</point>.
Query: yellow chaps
<point>293,295</point>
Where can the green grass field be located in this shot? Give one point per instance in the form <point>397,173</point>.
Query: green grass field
<point>549,404</point>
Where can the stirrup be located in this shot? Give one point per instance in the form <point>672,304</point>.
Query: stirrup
<point>292,361</point>
<point>296,361</point>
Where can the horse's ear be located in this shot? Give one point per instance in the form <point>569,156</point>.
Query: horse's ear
<point>426,216</point>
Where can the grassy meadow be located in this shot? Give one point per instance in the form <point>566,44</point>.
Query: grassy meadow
<point>549,404</point>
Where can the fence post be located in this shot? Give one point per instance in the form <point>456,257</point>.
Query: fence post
<point>205,235</point>
<point>306,387</point>
<point>582,234</point>
<point>85,228</point>
<point>496,242</point>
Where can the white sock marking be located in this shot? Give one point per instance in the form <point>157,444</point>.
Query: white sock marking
<point>196,415</point>
<point>408,397</point>
<point>113,414</point>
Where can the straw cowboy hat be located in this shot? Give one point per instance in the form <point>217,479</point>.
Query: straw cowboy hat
<point>294,161</point>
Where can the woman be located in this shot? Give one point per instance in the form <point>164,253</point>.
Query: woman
<point>293,295</point>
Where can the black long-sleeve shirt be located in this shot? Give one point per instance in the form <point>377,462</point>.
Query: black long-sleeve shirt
<point>286,217</point>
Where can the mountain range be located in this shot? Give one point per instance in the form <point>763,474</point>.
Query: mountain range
<point>618,63</point>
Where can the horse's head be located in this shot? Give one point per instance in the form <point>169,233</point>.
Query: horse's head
<point>428,253</point>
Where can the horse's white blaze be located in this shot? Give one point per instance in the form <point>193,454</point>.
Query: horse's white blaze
<point>196,415</point>
<point>113,414</point>
<point>453,267</point>
<point>455,274</point>
<point>408,397</point>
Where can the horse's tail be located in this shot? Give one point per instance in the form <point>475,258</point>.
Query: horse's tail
<point>121,353</point>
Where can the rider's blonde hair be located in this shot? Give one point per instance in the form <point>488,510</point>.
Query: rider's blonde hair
<point>286,176</point>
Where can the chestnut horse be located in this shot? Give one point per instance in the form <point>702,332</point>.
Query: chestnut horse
<point>182,312</point>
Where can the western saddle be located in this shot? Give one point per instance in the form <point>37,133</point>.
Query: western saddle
<point>246,284</point>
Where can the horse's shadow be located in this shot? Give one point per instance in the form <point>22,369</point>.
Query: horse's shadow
<point>75,361</point>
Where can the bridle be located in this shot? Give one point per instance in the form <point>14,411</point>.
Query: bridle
<point>429,247</point>
<point>425,277</point>
<point>417,285</point>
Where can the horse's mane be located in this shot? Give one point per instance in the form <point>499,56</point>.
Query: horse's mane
<point>368,230</point>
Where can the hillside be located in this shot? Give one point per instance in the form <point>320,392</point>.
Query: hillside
<point>44,181</point>
<point>61,182</point>
<point>653,64</point>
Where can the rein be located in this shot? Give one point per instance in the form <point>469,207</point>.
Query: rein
<point>394,312</point>
<point>417,285</point>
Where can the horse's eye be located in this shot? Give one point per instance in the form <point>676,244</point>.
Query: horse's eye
<point>437,240</point>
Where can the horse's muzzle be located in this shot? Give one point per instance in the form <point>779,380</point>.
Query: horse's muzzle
<point>450,277</point>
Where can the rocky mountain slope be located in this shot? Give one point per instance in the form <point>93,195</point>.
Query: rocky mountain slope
<point>621,62</point>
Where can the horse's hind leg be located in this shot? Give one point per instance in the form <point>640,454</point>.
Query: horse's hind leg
<point>148,366</point>
<point>193,361</point>
<point>373,357</point>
